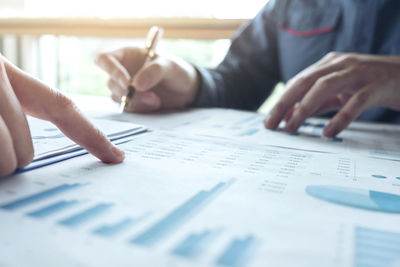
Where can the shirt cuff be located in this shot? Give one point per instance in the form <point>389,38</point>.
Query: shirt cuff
<point>206,95</point>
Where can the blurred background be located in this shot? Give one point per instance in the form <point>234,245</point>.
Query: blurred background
<point>57,41</point>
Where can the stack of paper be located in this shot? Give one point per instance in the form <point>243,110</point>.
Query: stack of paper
<point>51,145</point>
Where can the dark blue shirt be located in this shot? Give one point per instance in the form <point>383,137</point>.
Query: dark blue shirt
<point>289,35</point>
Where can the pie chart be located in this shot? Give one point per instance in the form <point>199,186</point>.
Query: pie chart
<point>356,198</point>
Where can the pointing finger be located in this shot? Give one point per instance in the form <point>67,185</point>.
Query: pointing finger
<point>69,120</point>
<point>48,104</point>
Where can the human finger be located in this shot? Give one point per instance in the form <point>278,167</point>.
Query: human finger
<point>116,89</point>
<point>143,102</point>
<point>361,100</point>
<point>15,120</point>
<point>49,104</point>
<point>329,57</point>
<point>296,89</point>
<point>289,114</point>
<point>117,72</point>
<point>323,89</point>
<point>331,104</point>
<point>151,74</point>
<point>73,124</point>
<point>335,103</point>
<point>8,158</point>
<point>116,97</point>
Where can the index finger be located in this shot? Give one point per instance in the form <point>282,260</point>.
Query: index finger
<point>40,101</point>
<point>74,125</point>
<point>110,64</point>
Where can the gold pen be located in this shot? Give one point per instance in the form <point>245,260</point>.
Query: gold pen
<point>152,39</point>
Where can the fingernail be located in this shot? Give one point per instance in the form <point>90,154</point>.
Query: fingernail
<point>119,154</point>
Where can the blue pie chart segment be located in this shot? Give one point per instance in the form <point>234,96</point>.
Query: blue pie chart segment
<point>356,198</point>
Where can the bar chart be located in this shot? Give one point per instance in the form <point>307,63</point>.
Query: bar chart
<point>238,252</point>
<point>53,208</point>
<point>71,212</point>
<point>111,230</point>
<point>177,217</point>
<point>34,198</point>
<point>375,247</point>
<point>86,215</point>
<point>195,244</point>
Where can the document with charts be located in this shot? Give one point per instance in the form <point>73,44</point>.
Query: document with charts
<point>182,199</point>
<point>369,139</point>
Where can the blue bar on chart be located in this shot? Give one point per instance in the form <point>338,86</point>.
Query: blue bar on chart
<point>376,247</point>
<point>194,244</point>
<point>111,230</point>
<point>356,198</point>
<point>177,217</point>
<point>238,253</point>
<point>22,202</point>
<point>52,208</point>
<point>378,176</point>
<point>86,215</point>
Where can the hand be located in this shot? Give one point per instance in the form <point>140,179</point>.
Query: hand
<point>20,93</point>
<point>350,83</point>
<point>162,83</point>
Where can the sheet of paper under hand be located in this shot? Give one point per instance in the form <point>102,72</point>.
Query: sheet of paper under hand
<point>185,200</point>
<point>49,141</point>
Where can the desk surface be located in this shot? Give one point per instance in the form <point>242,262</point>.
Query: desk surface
<point>212,187</point>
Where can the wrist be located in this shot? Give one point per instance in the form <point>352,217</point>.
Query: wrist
<point>194,88</point>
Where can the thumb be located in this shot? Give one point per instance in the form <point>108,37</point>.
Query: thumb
<point>150,75</point>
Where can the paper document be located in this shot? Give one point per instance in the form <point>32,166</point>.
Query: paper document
<point>368,139</point>
<point>180,199</point>
<point>49,141</point>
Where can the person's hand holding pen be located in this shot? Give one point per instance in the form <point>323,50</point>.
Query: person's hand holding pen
<point>159,82</point>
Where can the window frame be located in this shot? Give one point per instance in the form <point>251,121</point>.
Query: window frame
<point>188,28</point>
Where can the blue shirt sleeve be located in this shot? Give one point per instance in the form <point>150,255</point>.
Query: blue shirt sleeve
<point>249,72</point>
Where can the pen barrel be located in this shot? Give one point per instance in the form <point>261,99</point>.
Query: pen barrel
<point>152,39</point>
